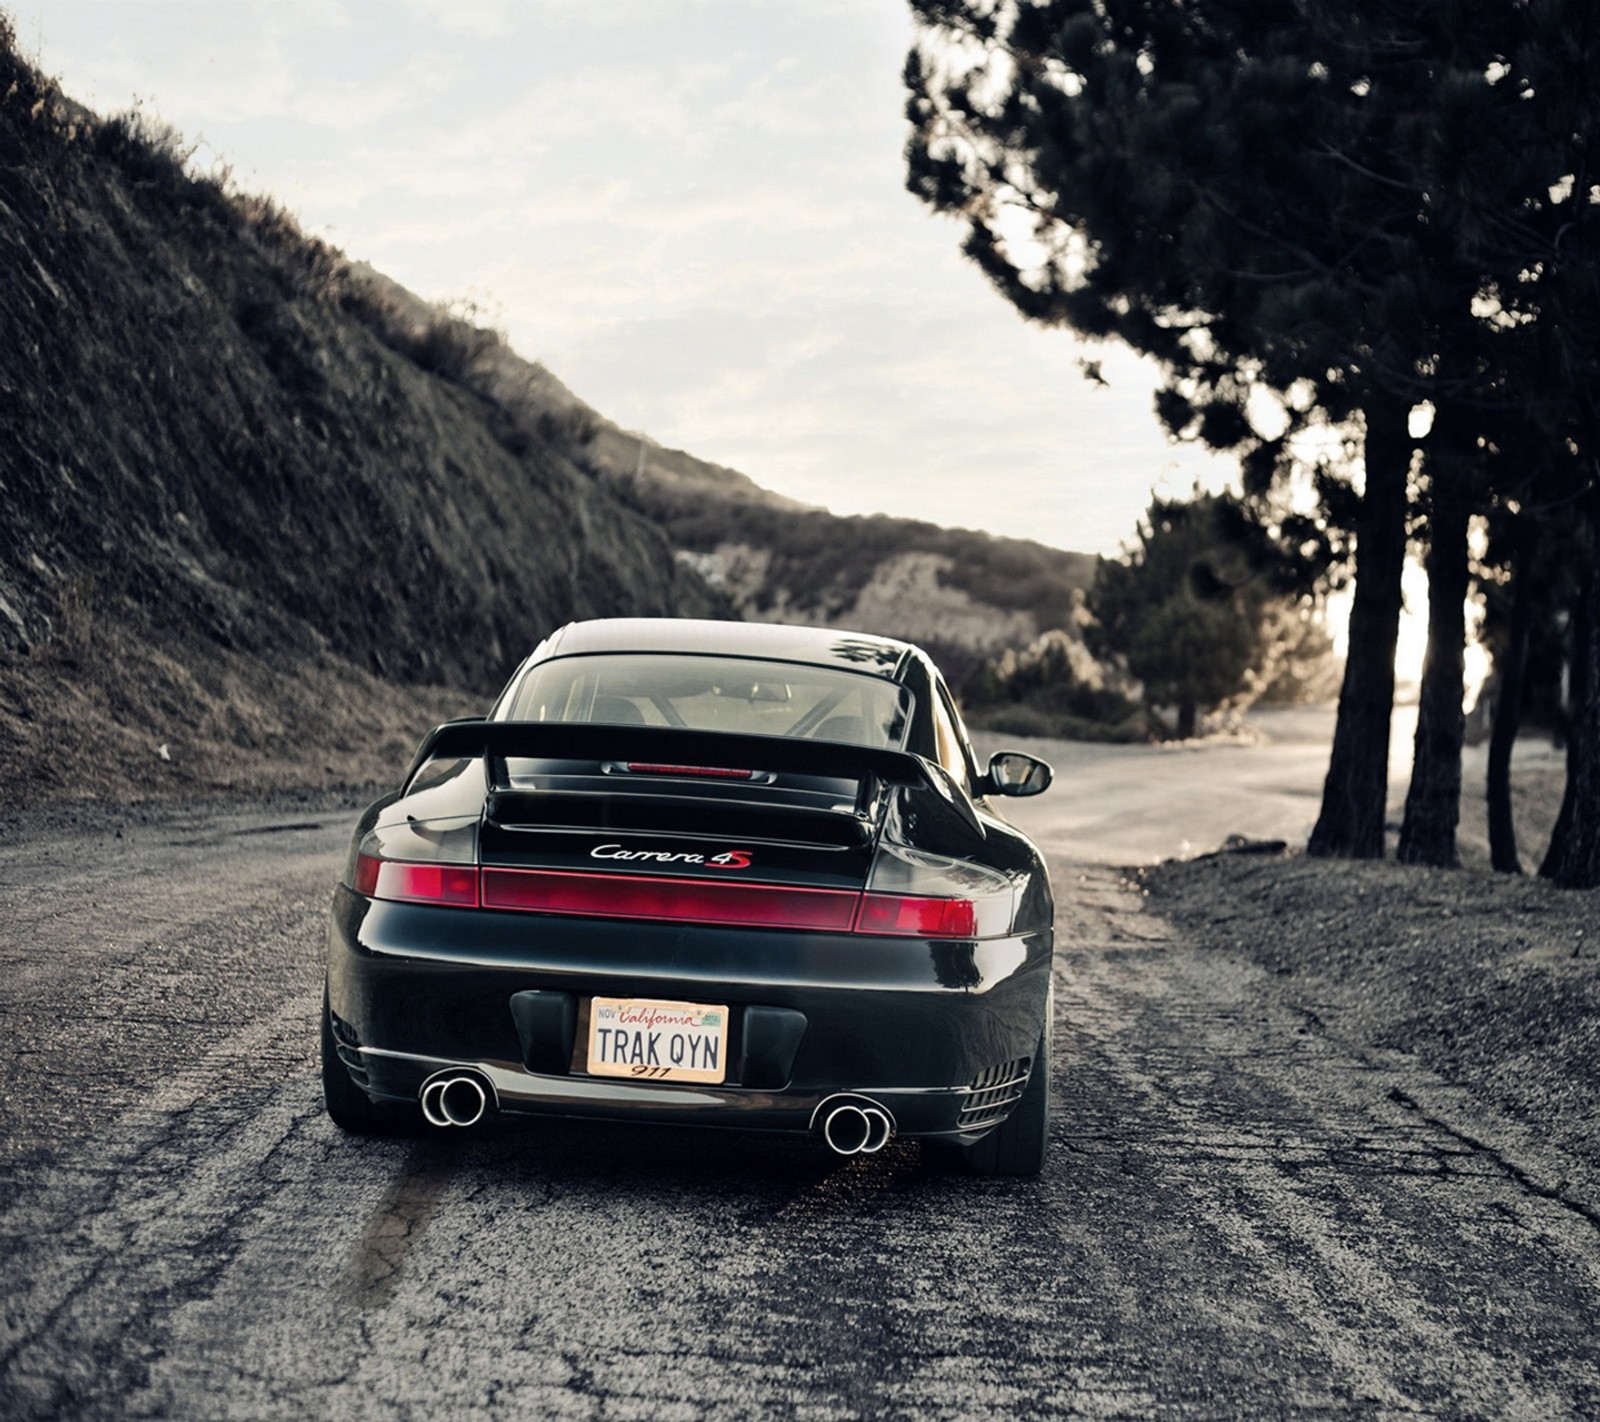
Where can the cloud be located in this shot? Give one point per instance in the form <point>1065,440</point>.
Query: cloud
<point>482,19</point>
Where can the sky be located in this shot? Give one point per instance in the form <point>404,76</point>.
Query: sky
<point>691,211</point>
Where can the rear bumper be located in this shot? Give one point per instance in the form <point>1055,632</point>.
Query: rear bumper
<point>923,1026</point>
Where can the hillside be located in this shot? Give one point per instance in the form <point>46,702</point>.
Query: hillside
<point>253,518</point>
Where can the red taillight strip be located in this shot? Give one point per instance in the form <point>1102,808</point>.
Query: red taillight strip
<point>455,884</point>
<point>917,917</point>
<point>593,895</point>
<point>633,896</point>
<point>366,875</point>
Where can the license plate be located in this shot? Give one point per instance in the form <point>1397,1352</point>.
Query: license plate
<point>648,1040</point>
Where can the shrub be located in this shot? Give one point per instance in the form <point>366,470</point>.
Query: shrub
<point>148,150</point>
<point>306,266</point>
<point>1026,720</point>
<point>451,348</point>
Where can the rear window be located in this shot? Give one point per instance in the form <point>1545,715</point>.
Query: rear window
<point>738,695</point>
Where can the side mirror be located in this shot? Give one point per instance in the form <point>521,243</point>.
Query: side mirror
<point>1016,773</point>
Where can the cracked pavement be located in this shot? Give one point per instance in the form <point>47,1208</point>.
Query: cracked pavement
<point>1249,1211</point>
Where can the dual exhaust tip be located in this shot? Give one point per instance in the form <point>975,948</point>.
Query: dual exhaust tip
<point>455,1098</point>
<point>849,1125</point>
<point>853,1125</point>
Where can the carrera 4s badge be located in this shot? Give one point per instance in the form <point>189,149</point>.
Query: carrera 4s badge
<point>728,859</point>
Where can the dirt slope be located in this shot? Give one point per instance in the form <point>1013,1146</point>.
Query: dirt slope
<point>240,523</point>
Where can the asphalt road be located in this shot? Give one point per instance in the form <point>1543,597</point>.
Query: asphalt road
<point>1123,805</point>
<point>1242,1217</point>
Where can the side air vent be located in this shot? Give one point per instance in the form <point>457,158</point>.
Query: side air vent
<point>993,1093</point>
<point>348,1045</point>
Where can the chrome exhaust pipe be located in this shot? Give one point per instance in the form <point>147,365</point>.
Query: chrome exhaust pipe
<point>454,1098</point>
<point>854,1125</point>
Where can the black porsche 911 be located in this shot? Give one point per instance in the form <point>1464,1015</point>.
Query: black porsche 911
<point>708,873</point>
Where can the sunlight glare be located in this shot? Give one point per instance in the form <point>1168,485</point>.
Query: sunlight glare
<point>1411,645</point>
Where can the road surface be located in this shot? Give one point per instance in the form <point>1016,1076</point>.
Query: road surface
<point>1242,1216</point>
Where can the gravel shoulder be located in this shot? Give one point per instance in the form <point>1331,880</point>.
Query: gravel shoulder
<point>1489,981</point>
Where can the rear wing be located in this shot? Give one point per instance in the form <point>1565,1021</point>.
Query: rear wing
<point>570,740</point>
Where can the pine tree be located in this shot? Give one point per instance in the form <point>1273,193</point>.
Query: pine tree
<point>1187,607</point>
<point>1359,204</point>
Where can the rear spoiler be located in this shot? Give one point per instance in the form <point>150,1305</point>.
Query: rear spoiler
<point>570,740</point>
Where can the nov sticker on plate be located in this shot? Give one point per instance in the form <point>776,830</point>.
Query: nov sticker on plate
<point>657,1041</point>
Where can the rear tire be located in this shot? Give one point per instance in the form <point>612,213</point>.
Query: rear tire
<point>1017,1145</point>
<point>349,1107</point>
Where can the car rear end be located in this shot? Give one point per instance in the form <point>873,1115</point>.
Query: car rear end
<point>641,923</point>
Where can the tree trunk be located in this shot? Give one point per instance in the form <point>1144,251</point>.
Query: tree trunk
<point>1433,802</point>
<point>1355,793</point>
<point>1510,670</point>
<point>1573,859</point>
<point>1188,716</point>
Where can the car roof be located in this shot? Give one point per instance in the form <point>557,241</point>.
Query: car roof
<point>772,641</point>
